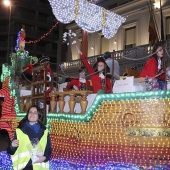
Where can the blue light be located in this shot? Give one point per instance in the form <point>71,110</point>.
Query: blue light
<point>6,164</point>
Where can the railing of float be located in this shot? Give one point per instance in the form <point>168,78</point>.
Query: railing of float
<point>137,56</point>
<point>82,95</point>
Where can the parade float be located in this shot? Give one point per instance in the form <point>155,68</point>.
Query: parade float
<point>118,131</point>
<point>128,130</point>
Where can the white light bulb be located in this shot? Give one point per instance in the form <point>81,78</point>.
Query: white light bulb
<point>89,16</point>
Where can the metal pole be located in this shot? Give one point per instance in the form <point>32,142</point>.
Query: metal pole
<point>9,29</point>
<point>162,24</point>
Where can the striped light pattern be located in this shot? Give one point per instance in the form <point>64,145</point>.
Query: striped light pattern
<point>99,137</point>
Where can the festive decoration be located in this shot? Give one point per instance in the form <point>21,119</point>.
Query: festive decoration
<point>103,137</point>
<point>6,164</point>
<point>119,131</point>
<point>5,161</point>
<point>88,16</point>
<point>43,36</point>
<point>20,42</point>
<point>70,35</point>
<point>105,134</point>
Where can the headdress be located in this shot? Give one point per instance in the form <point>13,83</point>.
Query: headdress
<point>82,68</point>
<point>44,59</point>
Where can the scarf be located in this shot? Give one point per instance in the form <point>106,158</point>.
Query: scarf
<point>35,127</point>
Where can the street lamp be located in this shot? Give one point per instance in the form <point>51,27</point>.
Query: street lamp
<point>8,3</point>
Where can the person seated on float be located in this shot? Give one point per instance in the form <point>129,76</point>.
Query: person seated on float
<point>109,61</point>
<point>46,60</point>
<point>27,70</point>
<point>79,83</point>
<point>98,78</point>
<point>153,68</point>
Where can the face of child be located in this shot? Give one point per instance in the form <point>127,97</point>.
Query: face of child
<point>82,74</point>
<point>45,62</point>
<point>33,115</point>
<point>100,66</point>
<point>160,52</point>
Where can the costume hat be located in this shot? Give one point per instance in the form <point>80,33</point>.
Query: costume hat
<point>101,59</point>
<point>44,59</point>
<point>82,68</point>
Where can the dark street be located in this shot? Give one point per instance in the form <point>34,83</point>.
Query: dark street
<point>4,140</point>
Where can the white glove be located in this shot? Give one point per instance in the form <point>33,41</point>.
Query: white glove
<point>48,75</point>
<point>75,88</point>
<point>101,75</point>
<point>78,50</point>
<point>82,80</point>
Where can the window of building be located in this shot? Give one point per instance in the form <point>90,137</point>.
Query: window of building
<point>168,27</point>
<point>130,37</point>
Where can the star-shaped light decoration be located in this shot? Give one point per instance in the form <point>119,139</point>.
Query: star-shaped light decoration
<point>70,35</point>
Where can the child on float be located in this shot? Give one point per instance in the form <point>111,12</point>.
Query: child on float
<point>79,83</point>
<point>98,78</point>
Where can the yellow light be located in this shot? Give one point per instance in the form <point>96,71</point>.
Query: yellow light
<point>157,5</point>
<point>7,3</point>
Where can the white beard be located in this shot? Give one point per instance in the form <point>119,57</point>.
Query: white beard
<point>82,80</point>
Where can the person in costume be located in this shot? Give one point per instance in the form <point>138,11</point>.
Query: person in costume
<point>43,60</point>
<point>30,148</point>
<point>27,69</point>
<point>27,72</point>
<point>98,78</point>
<point>79,83</point>
<point>153,68</point>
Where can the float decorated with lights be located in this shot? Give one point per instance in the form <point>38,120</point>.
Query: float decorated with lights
<point>117,131</point>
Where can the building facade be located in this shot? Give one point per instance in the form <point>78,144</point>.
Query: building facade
<point>134,32</point>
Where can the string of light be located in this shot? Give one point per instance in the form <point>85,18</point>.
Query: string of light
<point>43,36</point>
<point>88,16</point>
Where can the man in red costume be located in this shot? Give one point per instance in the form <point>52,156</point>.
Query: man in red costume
<point>27,72</point>
<point>79,83</point>
<point>43,60</point>
<point>27,69</point>
<point>99,81</point>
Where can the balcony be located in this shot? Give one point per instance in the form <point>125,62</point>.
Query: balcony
<point>127,58</point>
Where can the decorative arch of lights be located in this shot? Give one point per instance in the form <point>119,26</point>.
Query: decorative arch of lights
<point>88,16</point>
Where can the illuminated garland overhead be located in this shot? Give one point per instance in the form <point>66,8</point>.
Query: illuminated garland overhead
<point>43,36</point>
<point>88,16</point>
